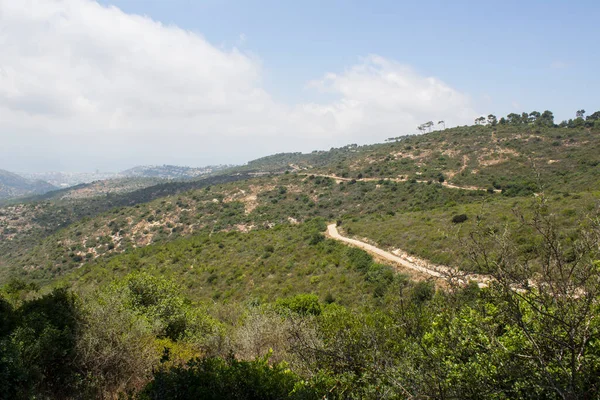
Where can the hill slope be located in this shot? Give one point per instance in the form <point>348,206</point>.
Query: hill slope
<point>170,171</point>
<point>13,185</point>
<point>517,159</point>
<point>412,182</point>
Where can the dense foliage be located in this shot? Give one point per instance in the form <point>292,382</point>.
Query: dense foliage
<point>140,335</point>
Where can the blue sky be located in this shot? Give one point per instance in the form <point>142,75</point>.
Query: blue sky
<point>110,84</point>
<point>508,55</point>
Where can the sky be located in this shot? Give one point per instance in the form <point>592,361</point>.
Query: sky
<point>105,85</point>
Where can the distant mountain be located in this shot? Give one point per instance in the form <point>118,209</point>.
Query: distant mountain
<point>170,171</point>
<point>13,185</point>
<point>68,179</point>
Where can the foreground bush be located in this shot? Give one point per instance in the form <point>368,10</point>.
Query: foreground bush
<point>217,378</point>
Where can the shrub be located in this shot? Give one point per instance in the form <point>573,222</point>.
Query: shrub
<point>115,346</point>
<point>359,259</point>
<point>218,378</point>
<point>303,304</point>
<point>45,340</point>
<point>459,218</point>
<point>315,239</point>
<point>160,300</point>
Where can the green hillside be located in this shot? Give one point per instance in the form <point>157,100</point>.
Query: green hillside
<point>242,206</point>
<point>230,285</point>
<point>516,159</point>
<point>394,180</point>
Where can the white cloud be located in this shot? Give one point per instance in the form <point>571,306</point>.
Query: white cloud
<point>386,98</point>
<point>86,85</point>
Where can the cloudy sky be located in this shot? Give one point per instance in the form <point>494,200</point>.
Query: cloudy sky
<point>109,84</point>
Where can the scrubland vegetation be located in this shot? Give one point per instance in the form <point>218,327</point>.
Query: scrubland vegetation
<point>227,287</point>
<point>142,334</point>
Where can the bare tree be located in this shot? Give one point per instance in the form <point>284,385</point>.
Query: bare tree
<point>429,125</point>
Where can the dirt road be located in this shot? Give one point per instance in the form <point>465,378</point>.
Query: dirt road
<point>446,184</point>
<point>415,264</point>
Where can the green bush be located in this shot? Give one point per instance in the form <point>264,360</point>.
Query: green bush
<point>218,378</point>
<point>160,300</point>
<point>303,304</point>
<point>45,339</point>
<point>359,259</point>
<point>459,218</point>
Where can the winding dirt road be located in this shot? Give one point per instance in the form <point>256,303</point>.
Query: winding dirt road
<point>445,184</point>
<point>421,266</point>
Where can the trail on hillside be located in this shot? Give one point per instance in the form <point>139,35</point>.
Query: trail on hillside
<point>415,264</point>
<point>445,184</point>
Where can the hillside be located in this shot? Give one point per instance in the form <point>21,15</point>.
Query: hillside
<point>23,226</point>
<point>170,171</point>
<point>250,204</point>
<point>68,179</point>
<point>13,185</point>
<point>241,263</point>
<point>100,188</point>
<point>261,265</point>
<point>515,159</point>
<point>420,181</point>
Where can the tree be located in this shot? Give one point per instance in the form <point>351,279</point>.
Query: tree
<point>429,125</point>
<point>591,120</point>
<point>595,116</point>
<point>513,119</point>
<point>580,113</point>
<point>577,123</point>
<point>443,123</point>
<point>534,116</point>
<point>425,126</point>
<point>480,120</point>
<point>492,120</point>
<point>546,119</point>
